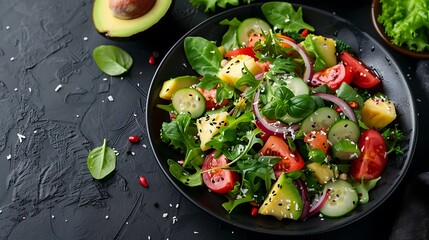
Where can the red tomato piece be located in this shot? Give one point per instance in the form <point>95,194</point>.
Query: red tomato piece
<point>364,77</point>
<point>290,160</point>
<point>373,158</point>
<point>241,51</point>
<point>333,76</point>
<point>218,180</point>
<point>304,32</point>
<point>317,140</point>
<point>254,38</point>
<point>210,96</point>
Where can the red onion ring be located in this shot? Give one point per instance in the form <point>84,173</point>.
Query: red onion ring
<point>276,129</point>
<point>318,202</point>
<point>302,187</point>
<point>308,73</point>
<point>347,110</point>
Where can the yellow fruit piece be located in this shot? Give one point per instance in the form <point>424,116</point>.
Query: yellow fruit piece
<point>208,126</point>
<point>170,86</point>
<point>234,69</point>
<point>322,172</point>
<point>378,112</point>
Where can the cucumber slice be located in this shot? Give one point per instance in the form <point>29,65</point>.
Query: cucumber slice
<point>344,129</point>
<point>297,86</point>
<point>323,117</point>
<point>189,100</point>
<point>250,26</point>
<point>342,199</point>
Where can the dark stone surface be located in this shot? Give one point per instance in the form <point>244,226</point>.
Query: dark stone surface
<point>46,191</point>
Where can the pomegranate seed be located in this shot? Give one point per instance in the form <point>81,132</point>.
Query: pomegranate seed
<point>254,211</point>
<point>152,60</point>
<point>338,109</point>
<point>143,181</point>
<point>354,104</point>
<point>304,33</point>
<point>134,139</point>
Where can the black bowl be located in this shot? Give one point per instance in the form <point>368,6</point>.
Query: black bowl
<point>369,50</point>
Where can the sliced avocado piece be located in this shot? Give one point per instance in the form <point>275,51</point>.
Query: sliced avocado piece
<point>283,200</point>
<point>326,48</point>
<point>111,26</point>
<point>169,87</point>
<point>209,125</point>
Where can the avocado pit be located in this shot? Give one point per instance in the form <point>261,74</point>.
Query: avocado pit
<point>130,9</point>
<point>125,18</point>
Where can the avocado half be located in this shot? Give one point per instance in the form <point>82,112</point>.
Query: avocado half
<point>111,26</point>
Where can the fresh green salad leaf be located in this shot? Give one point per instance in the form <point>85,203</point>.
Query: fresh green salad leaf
<point>210,5</point>
<point>112,60</point>
<point>101,161</point>
<point>229,39</point>
<point>203,55</point>
<point>406,22</point>
<point>309,45</point>
<point>191,180</point>
<point>223,89</point>
<point>283,16</point>
<point>181,135</point>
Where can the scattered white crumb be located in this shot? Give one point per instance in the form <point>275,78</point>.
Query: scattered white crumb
<point>52,216</point>
<point>58,87</point>
<point>12,58</point>
<point>110,98</point>
<point>107,217</point>
<point>177,205</point>
<point>20,136</point>
<point>104,79</point>
<point>196,232</point>
<point>8,157</point>
<point>165,215</point>
<point>133,153</point>
<point>29,89</point>
<point>85,38</point>
<point>15,89</point>
<point>138,84</point>
<point>144,146</point>
<point>7,27</point>
<point>77,115</point>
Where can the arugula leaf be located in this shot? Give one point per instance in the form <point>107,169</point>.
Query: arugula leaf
<point>112,60</point>
<point>180,135</point>
<point>101,161</point>
<point>283,16</point>
<point>191,180</point>
<point>239,195</point>
<point>393,138</point>
<point>229,39</point>
<point>203,55</point>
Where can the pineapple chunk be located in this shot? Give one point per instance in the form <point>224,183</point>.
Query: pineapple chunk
<point>378,112</point>
<point>208,126</point>
<point>283,200</point>
<point>322,172</point>
<point>234,69</point>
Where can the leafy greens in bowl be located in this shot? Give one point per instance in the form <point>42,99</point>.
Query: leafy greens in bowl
<point>176,64</point>
<point>403,25</point>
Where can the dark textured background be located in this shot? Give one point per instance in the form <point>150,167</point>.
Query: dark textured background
<point>46,191</point>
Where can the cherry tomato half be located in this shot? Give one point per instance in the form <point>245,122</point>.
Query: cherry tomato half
<point>317,140</point>
<point>290,160</point>
<point>218,180</point>
<point>364,77</point>
<point>254,38</point>
<point>373,159</point>
<point>333,76</point>
<point>241,51</point>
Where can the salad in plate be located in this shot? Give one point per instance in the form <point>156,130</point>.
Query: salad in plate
<point>279,119</point>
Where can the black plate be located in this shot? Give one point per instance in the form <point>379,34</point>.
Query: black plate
<point>369,50</point>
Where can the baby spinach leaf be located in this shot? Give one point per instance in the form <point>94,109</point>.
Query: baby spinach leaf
<point>203,55</point>
<point>101,161</point>
<point>229,39</point>
<point>282,15</point>
<point>112,60</point>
